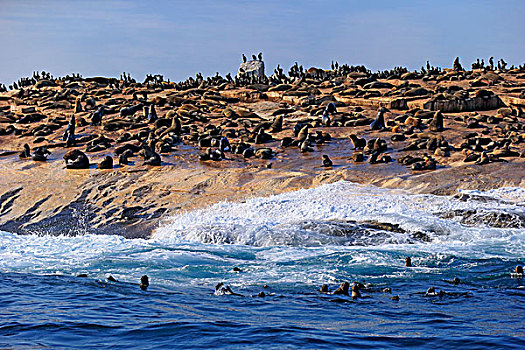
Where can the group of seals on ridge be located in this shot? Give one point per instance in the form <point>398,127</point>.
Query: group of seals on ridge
<point>188,108</point>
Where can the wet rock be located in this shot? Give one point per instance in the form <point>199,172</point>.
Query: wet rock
<point>472,217</point>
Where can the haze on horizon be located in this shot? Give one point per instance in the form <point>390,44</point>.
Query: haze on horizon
<point>179,39</point>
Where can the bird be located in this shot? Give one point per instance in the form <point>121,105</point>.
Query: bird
<point>254,57</point>
<point>244,58</point>
<point>260,56</point>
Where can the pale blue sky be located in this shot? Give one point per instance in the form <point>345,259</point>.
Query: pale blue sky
<point>181,38</point>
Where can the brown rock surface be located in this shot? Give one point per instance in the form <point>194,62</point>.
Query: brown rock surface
<point>131,199</point>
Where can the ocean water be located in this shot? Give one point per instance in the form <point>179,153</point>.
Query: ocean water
<point>287,246</point>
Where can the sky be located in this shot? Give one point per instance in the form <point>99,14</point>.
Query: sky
<point>181,38</point>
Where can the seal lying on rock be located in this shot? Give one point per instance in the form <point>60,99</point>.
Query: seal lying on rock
<point>107,163</point>
<point>129,111</point>
<point>76,159</point>
<point>358,143</point>
<point>150,156</point>
<point>26,153</point>
<point>123,158</point>
<point>327,162</point>
<point>379,122</point>
<point>40,154</point>
<point>96,117</point>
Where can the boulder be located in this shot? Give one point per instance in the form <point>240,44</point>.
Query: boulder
<point>252,68</point>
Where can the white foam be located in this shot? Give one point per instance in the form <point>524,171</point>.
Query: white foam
<point>277,220</point>
<point>270,240</point>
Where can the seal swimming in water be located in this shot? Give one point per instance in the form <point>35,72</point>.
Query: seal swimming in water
<point>224,289</point>
<point>431,292</point>
<point>355,291</point>
<point>518,272</point>
<point>343,289</point>
<point>144,282</point>
<point>111,279</point>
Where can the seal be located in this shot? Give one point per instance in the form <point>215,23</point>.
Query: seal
<point>150,156</point>
<point>436,124</point>
<point>303,133</point>
<point>40,154</point>
<point>78,106</point>
<point>379,122</point>
<point>518,272</point>
<point>144,282</point>
<point>277,124</point>
<point>408,262</point>
<point>96,117</point>
<point>454,281</point>
<point>327,162</point>
<point>224,289</point>
<point>431,292</point>
<point>123,158</point>
<point>343,289</point>
<point>326,120</point>
<point>112,279</point>
<point>130,111</point>
<point>152,114</point>
<point>357,142</point>
<point>26,153</point>
<point>76,159</point>
<point>355,291</point>
<point>107,163</point>
<point>330,109</point>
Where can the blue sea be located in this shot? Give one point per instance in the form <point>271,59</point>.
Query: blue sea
<point>286,246</point>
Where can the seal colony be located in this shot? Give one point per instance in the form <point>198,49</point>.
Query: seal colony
<point>127,153</point>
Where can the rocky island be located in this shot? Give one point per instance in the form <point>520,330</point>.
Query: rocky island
<point>113,155</point>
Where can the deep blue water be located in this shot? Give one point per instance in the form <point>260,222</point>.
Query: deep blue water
<point>44,305</point>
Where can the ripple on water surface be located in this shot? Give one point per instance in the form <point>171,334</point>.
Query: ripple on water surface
<point>293,243</point>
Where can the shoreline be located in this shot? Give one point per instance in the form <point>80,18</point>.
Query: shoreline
<point>130,200</point>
